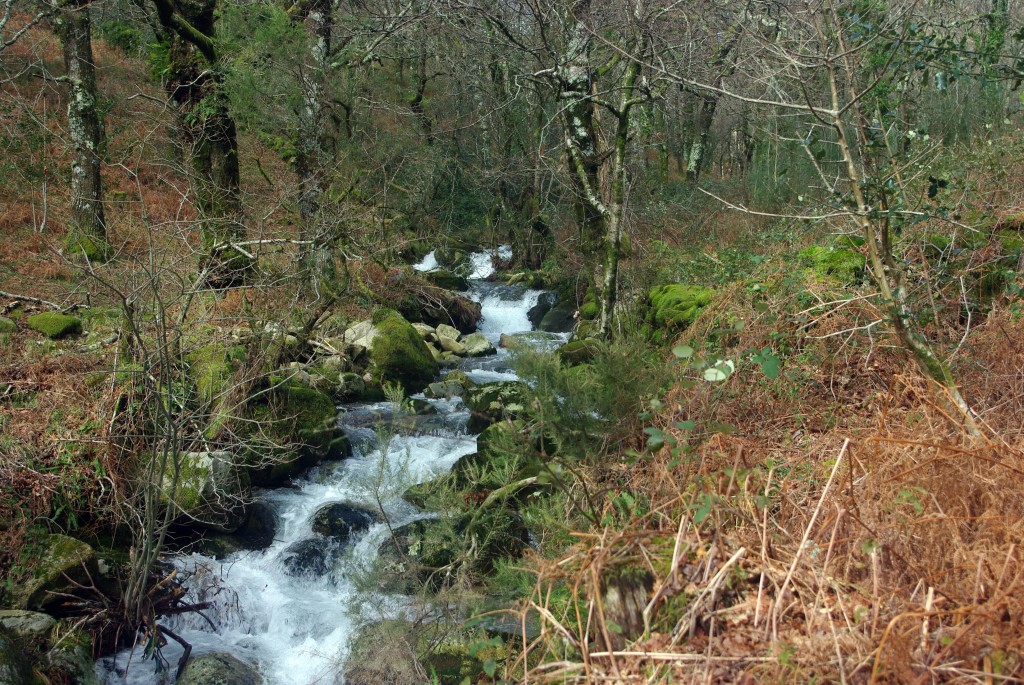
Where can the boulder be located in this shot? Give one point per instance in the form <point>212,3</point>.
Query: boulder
<point>400,355</point>
<point>63,562</point>
<point>544,304</point>
<point>54,325</point>
<point>843,265</point>
<point>579,351</point>
<point>509,342</point>
<point>424,330</point>
<point>210,491</point>
<point>218,669</point>
<point>444,390</point>
<point>14,666</point>
<point>443,330</point>
<point>362,334</point>
<point>451,345</point>
<point>477,345</point>
<point>341,521</point>
<point>311,558</point>
<point>559,319</point>
<point>71,654</point>
<point>350,385</point>
<point>25,623</point>
<point>443,278</point>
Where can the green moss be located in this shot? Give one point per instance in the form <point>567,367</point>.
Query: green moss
<point>589,310</point>
<point>210,370</point>
<point>579,351</point>
<point>54,325</point>
<point>7,325</point>
<point>93,248</point>
<point>1011,243</point>
<point>61,558</point>
<point>677,306</point>
<point>936,245</point>
<point>845,266</point>
<point>399,353</point>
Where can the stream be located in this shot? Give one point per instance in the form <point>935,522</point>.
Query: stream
<point>298,629</point>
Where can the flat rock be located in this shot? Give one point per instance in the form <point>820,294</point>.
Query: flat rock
<point>25,623</point>
<point>445,331</point>
<point>477,345</point>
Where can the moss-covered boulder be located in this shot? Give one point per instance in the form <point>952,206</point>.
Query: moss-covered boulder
<point>298,428</point>
<point>62,563</point>
<point>400,355</point>
<point>579,351</point>
<point>443,278</point>
<point>91,248</point>
<point>54,325</point>
<point>207,489</point>
<point>676,306</point>
<point>843,265</point>
<point>218,669</point>
<point>7,325</point>
<point>71,654</point>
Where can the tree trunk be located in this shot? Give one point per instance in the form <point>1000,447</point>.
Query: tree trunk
<point>208,135</point>
<point>88,234</point>
<point>317,256</point>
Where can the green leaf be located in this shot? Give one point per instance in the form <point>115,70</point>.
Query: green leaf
<point>490,666</point>
<point>720,371</point>
<point>682,351</point>
<point>686,425</point>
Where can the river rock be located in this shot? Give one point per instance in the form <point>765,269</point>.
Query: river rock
<point>579,351</point>
<point>451,345</point>
<point>362,334</point>
<point>350,384</point>
<point>218,669</point>
<point>400,354</point>
<point>544,304</point>
<point>340,521</point>
<point>211,490</point>
<point>26,623</point>
<point>559,319</point>
<point>510,342</point>
<point>444,278</point>
<point>445,331</point>
<point>491,402</point>
<point>444,390</point>
<point>63,562</point>
<point>424,330</point>
<point>477,345</point>
<point>311,558</point>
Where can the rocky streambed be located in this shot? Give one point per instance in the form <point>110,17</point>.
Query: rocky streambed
<point>326,553</point>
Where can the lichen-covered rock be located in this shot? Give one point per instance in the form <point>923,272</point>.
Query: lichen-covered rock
<point>676,305</point>
<point>400,355</point>
<point>444,390</point>
<point>844,265</point>
<point>451,345</point>
<point>54,325</point>
<point>443,330</point>
<point>208,490</point>
<point>362,334</point>
<point>218,669</point>
<point>425,331</point>
<point>25,623</point>
<point>477,345</point>
<point>63,562</point>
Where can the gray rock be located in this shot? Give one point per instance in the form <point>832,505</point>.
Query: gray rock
<point>362,334</point>
<point>25,623</point>
<point>311,558</point>
<point>218,669</point>
<point>351,384</point>
<point>14,667</point>
<point>560,319</point>
<point>334,364</point>
<point>424,330</point>
<point>340,521</point>
<point>452,345</point>
<point>477,345</point>
<point>509,342</point>
<point>444,390</point>
<point>445,331</point>
<point>64,561</point>
<point>211,490</point>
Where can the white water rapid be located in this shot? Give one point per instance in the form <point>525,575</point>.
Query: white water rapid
<point>298,629</point>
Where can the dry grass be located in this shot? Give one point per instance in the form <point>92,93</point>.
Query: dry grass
<point>848,531</point>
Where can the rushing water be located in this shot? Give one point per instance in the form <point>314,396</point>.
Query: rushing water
<point>298,629</point>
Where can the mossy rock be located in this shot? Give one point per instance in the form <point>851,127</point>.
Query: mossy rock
<point>579,351</point>
<point>936,245</point>
<point>677,306</point>
<point>62,562</point>
<point>71,655</point>
<point>589,311</point>
<point>213,368</point>
<point>54,325</point>
<point>843,265</point>
<point>7,325</point>
<point>211,490</point>
<point>848,242</point>
<point>447,280</point>
<point>490,402</point>
<point>218,669</point>
<point>400,355</point>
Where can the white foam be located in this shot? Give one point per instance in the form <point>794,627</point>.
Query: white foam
<point>429,262</point>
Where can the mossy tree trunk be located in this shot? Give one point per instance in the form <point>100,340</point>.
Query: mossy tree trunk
<point>708,105</point>
<point>195,86</point>
<point>88,234</point>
